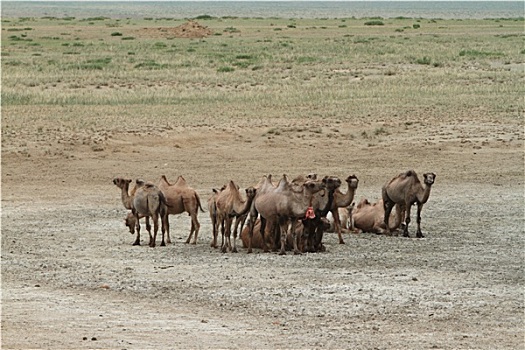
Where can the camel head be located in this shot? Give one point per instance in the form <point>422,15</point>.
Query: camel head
<point>352,181</point>
<point>331,182</point>
<point>129,221</point>
<point>312,187</point>
<point>429,178</point>
<point>121,182</point>
<point>311,176</point>
<point>362,203</point>
<point>251,192</point>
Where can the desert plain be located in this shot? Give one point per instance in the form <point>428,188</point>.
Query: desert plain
<point>85,100</point>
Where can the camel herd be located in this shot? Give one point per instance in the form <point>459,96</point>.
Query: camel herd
<point>284,215</point>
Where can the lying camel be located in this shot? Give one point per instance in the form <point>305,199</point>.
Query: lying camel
<point>368,217</point>
<point>405,190</point>
<point>345,217</point>
<point>146,200</point>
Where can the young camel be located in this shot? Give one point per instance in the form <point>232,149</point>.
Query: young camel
<point>368,217</point>
<point>229,204</point>
<point>212,209</point>
<point>284,203</point>
<point>405,190</point>
<point>343,200</point>
<point>146,200</point>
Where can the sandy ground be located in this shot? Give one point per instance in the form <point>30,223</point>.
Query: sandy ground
<point>71,278</point>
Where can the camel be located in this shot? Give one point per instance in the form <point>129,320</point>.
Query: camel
<point>315,226</point>
<point>368,217</point>
<point>284,203</point>
<point>181,198</point>
<point>345,217</point>
<point>146,200</point>
<point>342,200</point>
<point>229,204</point>
<point>264,185</point>
<point>212,209</point>
<point>405,190</point>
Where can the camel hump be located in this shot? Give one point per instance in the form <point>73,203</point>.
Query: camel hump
<point>181,181</point>
<point>165,179</point>
<point>140,182</point>
<point>410,173</point>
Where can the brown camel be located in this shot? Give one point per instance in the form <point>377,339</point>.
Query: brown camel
<point>230,204</point>
<point>405,190</point>
<point>315,225</point>
<point>181,198</point>
<point>264,185</point>
<point>368,217</point>
<point>343,200</point>
<point>284,203</point>
<point>146,201</point>
<point>212,209</point>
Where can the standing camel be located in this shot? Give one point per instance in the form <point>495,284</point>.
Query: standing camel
<point>263,186</point>
<point>146,200</point>
<point>284,203</point>
<point>229,204</point>
<point>343,200</point>
<point>405,190</point>
<point>182,198</point>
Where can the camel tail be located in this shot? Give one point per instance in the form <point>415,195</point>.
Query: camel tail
<point>199,206</point>
<point>163,207</point>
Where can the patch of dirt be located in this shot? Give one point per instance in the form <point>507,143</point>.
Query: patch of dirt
<point>72,279</point>
<point>190,29</point>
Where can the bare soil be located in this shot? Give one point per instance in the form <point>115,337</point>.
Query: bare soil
<point>71,278</point>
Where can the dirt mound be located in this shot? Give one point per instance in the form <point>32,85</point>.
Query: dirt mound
<point>190,29</point>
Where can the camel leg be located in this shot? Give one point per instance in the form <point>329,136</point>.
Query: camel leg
<point>407,221</point>
<point>228,232</point>
<point>153,239</point>
<point>223,243</point>
<point>192,230</point>
<point>167,225</point>
<point>295,238</point>
<point>196,225</point>
<point>337,224</point>
<point>265,226</point>
<point>251,223</point>
<point>388,206</point>
<point>283,224</point>
<point>137,228</point>
<point>214,231</point>
<point>418,220</point>
<point>163,229</point>
<point>238,221</point>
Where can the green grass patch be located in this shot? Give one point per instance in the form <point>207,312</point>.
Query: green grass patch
<point>478,53</point>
